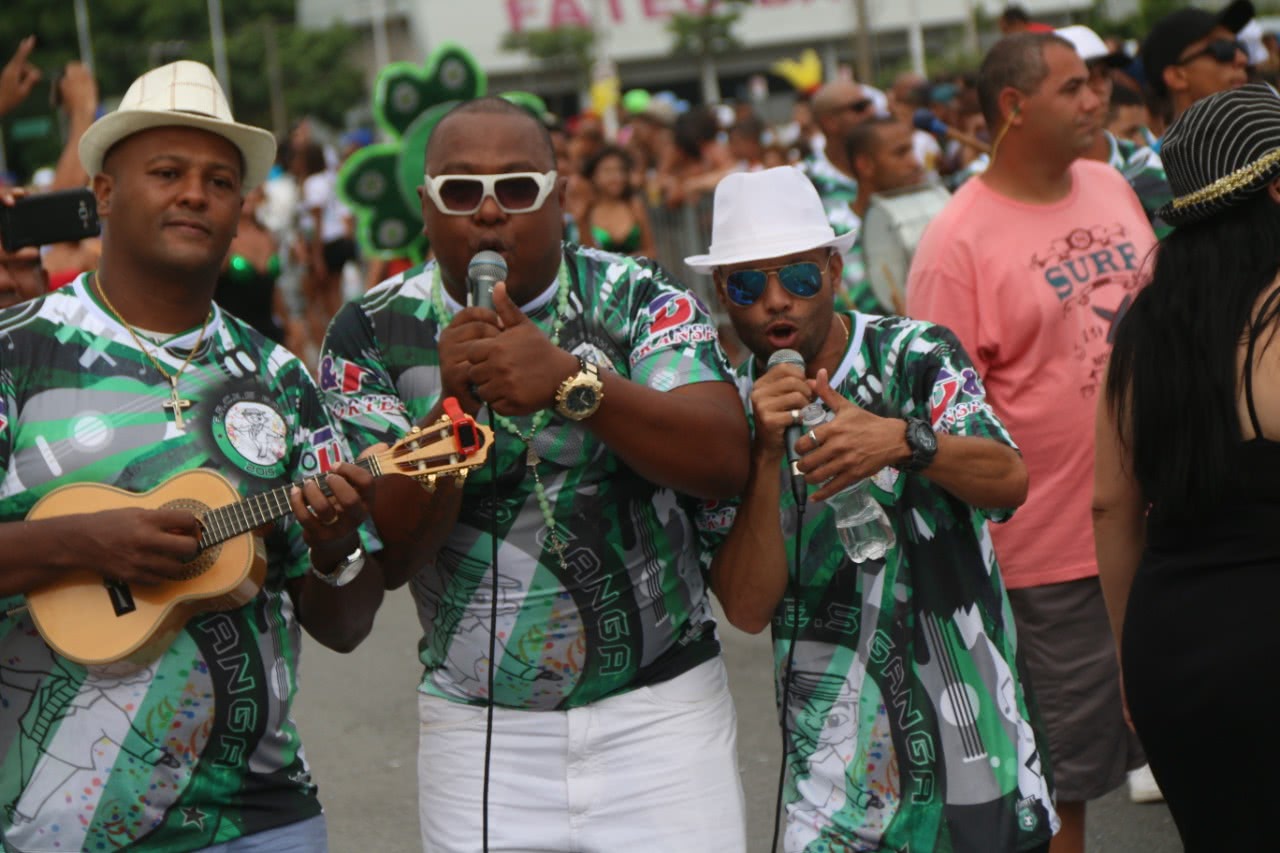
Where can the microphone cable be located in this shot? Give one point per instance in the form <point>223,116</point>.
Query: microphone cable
<point>493,623</point>
<point>793,588</point>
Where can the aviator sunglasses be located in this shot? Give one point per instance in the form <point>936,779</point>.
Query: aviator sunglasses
<point>1220,50</point>
<point>513,192</point>
<point>803,279</point>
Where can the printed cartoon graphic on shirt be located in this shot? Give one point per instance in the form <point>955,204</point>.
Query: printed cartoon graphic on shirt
<point>251,433</point>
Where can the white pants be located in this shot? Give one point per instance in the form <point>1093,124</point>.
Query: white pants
<point>654,770</point>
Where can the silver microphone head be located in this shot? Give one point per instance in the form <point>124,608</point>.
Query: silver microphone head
<point>486,269</point>
<point>782,356</point>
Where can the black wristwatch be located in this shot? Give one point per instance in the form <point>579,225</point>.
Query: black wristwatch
<point>923,444</point>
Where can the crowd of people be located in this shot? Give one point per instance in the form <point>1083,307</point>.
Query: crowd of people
<point>978,516</point>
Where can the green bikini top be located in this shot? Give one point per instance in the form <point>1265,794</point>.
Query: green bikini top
<point>606,241</point>
<point>241,270</point>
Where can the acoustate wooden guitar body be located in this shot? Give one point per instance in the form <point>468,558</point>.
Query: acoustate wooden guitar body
<point>90,620</point>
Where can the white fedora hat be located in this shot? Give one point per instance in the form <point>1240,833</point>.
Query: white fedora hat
<point>181,94</point>
<point>767,214</point>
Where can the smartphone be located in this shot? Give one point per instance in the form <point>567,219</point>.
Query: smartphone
<point>64,216</point>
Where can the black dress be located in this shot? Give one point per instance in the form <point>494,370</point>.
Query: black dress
<point>1201,654</point>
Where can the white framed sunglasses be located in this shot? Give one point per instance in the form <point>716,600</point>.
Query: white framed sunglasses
<point>513,192</point>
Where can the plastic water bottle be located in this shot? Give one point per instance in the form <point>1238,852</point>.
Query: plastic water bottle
<point>861,523</point>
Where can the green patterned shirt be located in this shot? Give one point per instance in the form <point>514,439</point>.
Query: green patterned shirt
<point>838,191</point>
<point>908,723</point>
<point>198,747</point>
<point>630,606</point>
<point>1143,169</point>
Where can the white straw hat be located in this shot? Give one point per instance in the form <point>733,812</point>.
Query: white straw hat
<point>767,214</point>
<point>180,94</point>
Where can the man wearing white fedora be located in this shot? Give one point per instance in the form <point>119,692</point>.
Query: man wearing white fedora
<point>122,378</point>
<point>905,718</point>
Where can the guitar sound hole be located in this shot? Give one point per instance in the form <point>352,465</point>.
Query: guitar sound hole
<point>207,557</point>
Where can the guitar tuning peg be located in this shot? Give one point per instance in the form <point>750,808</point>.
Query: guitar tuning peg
<point>430,484</point>
<point>460,478</point>
<point>415,429</point>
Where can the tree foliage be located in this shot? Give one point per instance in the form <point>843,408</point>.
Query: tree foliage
<point>567,48</point>
<point>708,32</point>
<point>130,36</point>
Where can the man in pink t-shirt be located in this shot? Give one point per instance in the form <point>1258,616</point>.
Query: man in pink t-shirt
<point>1032,265</point>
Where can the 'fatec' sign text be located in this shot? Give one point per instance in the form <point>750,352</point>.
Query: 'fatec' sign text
<point>550,14</point>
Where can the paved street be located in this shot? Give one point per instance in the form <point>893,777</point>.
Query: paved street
<point>359,723</point>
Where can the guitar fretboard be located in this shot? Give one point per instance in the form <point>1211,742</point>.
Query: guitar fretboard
<point>227,522</point>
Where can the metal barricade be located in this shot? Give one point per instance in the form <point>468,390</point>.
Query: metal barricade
<point>679,232</point>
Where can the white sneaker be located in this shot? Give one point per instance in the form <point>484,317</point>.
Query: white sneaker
<point>1143,787</point>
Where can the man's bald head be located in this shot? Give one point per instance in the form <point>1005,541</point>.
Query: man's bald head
<point>835,96</point>
<point>491,105</point>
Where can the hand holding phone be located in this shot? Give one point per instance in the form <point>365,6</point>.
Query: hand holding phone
<point>58,217</point>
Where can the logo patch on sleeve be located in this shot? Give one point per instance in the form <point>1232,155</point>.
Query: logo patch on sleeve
<point>339,375</point>
<point>671,310</point>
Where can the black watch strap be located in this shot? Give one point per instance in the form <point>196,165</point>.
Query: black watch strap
<point>923,444</point>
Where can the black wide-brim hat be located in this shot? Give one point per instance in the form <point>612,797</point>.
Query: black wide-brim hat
<point>1222,150</point>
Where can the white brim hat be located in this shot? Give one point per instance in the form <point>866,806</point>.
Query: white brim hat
<point>180,94</point>
<point>768,214</point>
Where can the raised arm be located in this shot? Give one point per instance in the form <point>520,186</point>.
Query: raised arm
<point>692,439</point>
<point>980,471</point>
<point>749,569</point>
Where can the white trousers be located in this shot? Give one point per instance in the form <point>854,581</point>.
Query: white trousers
<point>653,770</point>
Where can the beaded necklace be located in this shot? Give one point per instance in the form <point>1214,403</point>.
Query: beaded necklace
<point>540,417</point>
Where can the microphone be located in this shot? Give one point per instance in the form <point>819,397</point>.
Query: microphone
<point>793,432</point>
<point>486,269</point>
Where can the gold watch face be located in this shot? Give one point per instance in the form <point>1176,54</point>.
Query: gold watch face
<point>581,398</point>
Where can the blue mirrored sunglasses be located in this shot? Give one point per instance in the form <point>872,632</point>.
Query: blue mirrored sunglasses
<point>803,279</point>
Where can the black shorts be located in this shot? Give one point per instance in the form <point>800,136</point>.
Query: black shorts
<point>338,252</point>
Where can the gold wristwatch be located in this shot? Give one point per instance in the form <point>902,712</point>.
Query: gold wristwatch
<point>579,396</point>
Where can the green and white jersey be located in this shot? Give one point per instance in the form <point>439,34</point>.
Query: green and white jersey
<point>199,747</point>
<point>1144,171</point>
<point>631,607</point>
<point>838,191</point>
<point>908,723</point>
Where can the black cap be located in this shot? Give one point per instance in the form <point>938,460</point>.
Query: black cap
<point>1172,33</point>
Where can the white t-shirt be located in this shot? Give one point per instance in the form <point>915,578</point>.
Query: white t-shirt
<point>321,191</point>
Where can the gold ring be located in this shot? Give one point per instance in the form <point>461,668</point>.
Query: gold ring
<point>813,438</point>
<point>795,417</point>
<point>330,522</point>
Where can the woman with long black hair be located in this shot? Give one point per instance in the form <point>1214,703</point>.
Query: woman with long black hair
<point>1187,479</point>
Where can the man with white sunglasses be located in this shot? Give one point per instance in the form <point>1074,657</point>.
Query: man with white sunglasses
<point>612,406</point>
<point>906,721</point>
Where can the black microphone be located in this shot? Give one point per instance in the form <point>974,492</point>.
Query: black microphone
<point>486,269</point>
<point>798,486</point>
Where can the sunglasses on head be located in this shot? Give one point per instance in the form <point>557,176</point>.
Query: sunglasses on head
<point>1219,50</point>
<point>513,192</point>
<point>803,279</point>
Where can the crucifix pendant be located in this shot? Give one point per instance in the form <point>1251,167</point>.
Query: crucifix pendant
<point>176,404</point>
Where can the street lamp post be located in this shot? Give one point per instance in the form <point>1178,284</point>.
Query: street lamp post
<point>862,41</point>
<point>219,41</point>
